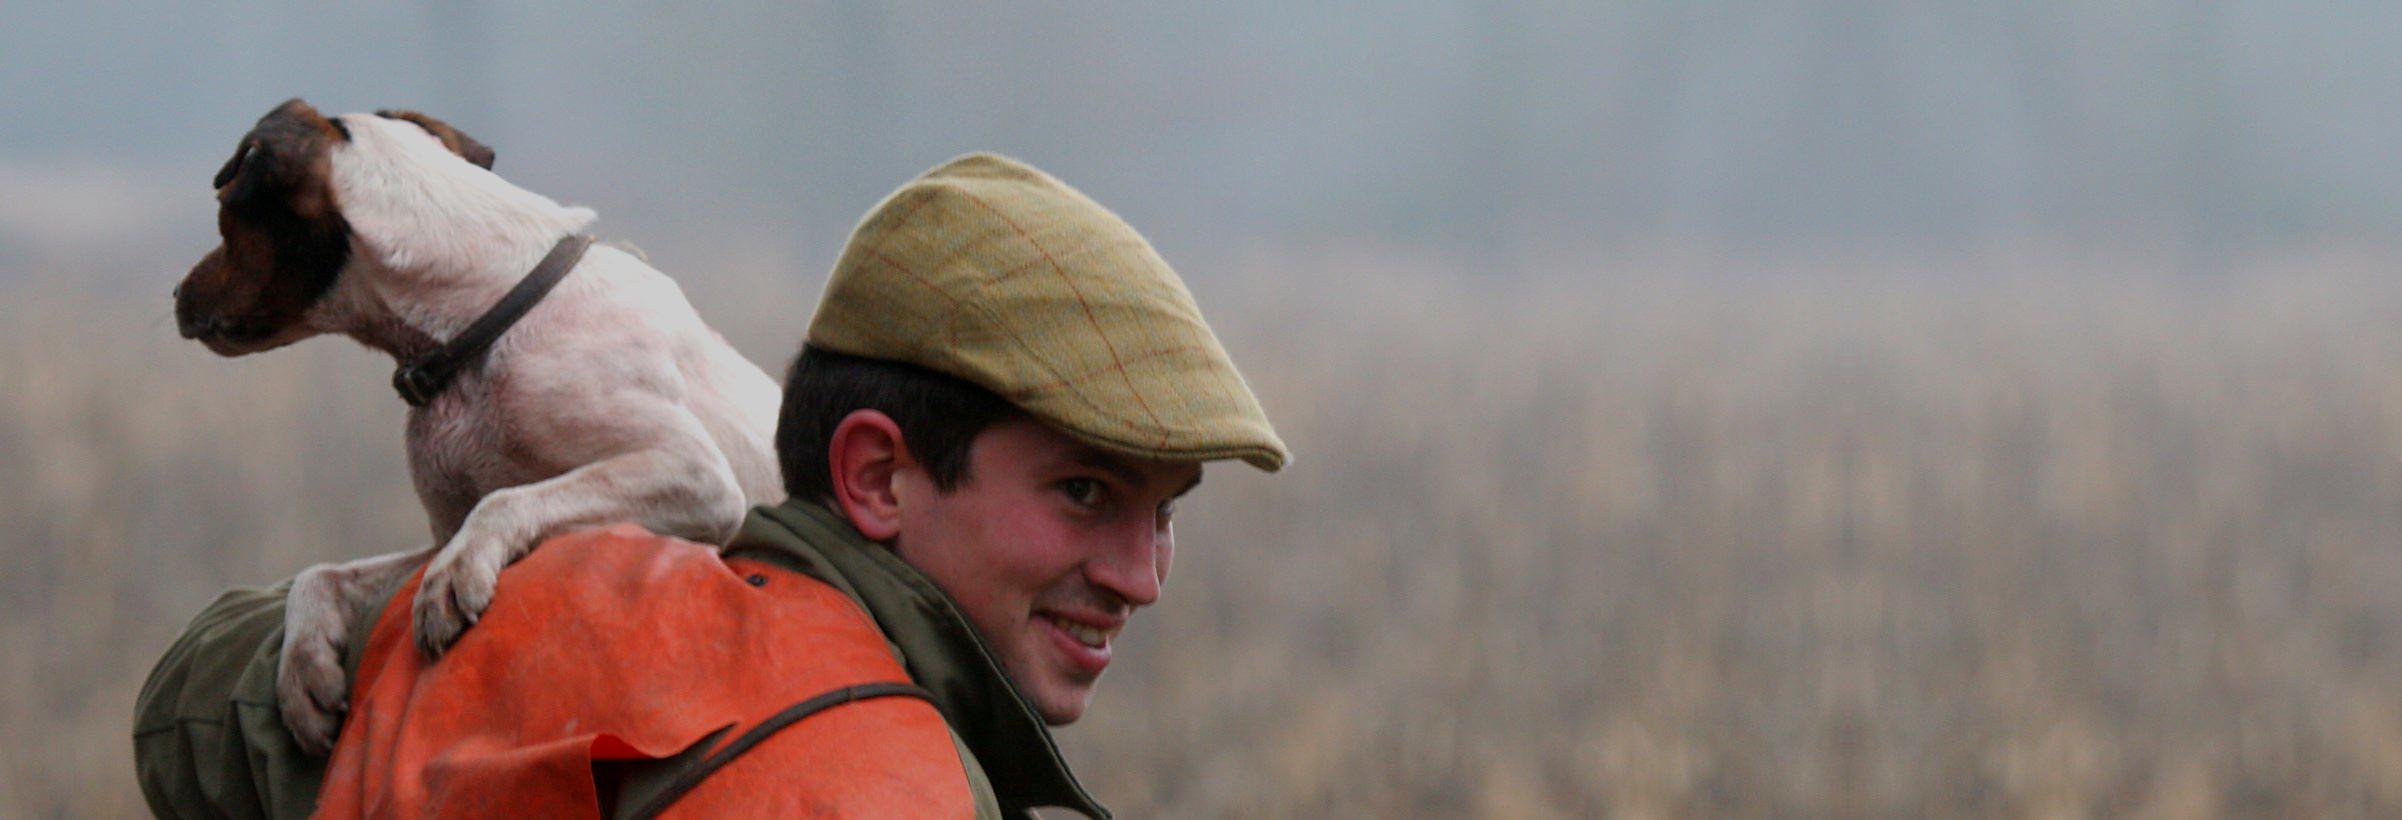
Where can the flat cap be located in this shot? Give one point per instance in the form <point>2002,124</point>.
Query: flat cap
<point>989,270</point>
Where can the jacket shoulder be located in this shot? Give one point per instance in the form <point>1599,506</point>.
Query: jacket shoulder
<point>617,645</point>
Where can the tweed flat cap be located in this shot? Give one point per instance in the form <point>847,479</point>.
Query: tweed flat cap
<point>989,270</point>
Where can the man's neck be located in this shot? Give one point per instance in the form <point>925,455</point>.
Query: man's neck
<point>941,651</point>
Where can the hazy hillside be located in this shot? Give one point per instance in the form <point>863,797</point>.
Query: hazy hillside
<point>1667,533</point>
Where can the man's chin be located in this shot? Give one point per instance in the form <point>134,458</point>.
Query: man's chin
<point>1064,712</point>
<point>1059,701</point>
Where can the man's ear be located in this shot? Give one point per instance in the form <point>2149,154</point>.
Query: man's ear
<point>866,457</point>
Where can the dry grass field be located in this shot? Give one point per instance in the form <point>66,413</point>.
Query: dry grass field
<point>1655,534</point>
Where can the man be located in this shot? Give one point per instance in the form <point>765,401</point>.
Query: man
<point>1002,395</point>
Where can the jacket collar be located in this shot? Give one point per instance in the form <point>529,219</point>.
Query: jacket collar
<point>935,643</point>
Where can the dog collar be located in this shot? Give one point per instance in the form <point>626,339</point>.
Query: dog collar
<point>420,379</point>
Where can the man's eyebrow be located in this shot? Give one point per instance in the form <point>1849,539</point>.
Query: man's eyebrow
<point>1126,473</point>
<point>1117,468</point>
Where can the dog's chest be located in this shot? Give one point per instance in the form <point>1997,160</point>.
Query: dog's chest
<point>458,453</point>
<point>442,443</point>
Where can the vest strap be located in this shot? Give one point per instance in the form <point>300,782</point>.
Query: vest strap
<point>691,777</point>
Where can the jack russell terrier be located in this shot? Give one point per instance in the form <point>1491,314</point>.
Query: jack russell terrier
<point>554,384</point>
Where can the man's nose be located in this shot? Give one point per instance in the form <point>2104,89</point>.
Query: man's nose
<point>1130,566</point>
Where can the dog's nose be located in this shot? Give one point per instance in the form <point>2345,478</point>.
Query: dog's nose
<point>196,326</point>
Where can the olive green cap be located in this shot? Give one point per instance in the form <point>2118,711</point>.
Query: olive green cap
<point>989,270</point>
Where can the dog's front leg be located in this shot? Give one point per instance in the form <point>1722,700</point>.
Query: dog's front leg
<point>687,491</point>
<point>312,690</point>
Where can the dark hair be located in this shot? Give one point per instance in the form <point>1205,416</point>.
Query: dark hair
<point>938,415</point>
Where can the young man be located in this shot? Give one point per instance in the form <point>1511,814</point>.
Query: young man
<point>1002,395</point>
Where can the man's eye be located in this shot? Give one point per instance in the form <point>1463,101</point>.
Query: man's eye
<point>1083,491</point>
<point>1167,510</point>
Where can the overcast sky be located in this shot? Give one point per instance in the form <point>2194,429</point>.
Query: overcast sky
<point>1224,125</point>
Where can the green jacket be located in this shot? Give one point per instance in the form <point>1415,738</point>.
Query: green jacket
<point>208,740</point>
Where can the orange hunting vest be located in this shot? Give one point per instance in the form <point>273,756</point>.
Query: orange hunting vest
<point>616,644</point>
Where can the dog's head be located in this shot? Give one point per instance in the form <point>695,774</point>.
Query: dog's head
<point>285,239</point>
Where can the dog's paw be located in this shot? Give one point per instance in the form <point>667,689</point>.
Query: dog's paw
<point>457,588</point>
<point>311,691</point>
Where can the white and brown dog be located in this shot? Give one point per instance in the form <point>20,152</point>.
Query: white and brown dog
<point>608,400</point>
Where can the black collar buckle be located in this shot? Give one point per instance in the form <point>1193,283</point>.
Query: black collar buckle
<point>415,384</point>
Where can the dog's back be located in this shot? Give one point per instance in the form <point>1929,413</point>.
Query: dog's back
<point>550,396</point>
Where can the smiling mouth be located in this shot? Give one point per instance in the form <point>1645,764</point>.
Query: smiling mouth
<point>1091,636</point>
<point>1083,646</point>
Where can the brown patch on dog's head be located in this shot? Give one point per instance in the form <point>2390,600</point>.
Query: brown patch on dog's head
<point>284,236</point>
<point>457,141</point>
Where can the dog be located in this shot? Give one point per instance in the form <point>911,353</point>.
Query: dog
<point>606,400</point>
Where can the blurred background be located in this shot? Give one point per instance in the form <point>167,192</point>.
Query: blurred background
<point>1782,408</point>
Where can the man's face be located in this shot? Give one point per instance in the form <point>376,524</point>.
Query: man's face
<point>1048,547</point>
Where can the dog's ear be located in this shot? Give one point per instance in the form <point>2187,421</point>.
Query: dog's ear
<point>282,155</point>
<point>457,141</point>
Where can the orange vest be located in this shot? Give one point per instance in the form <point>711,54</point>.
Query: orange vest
<point>617,644</point>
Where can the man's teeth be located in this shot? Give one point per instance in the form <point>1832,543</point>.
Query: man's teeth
<point>1089,636</point>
